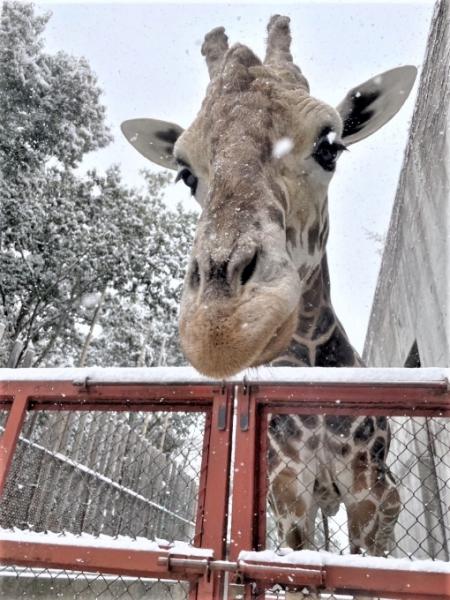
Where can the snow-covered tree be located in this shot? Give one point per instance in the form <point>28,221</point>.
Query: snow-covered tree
<point>84,241</point>
<point>90,271</point>
<point>50,106</point>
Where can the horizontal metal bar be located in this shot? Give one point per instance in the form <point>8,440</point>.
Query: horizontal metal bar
<point>99,383</point>
<point>443,383</point>
<point>161,563</point>
<point>357,399</point>
<point>65,395</point>
<point>119,561</point>
<point>387,583</point>
<point>388,398</point>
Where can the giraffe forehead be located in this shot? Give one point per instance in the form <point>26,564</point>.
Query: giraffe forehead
<point>249,124</point>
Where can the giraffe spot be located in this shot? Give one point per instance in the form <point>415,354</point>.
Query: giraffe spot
<point>381,488</point>
<point>335,352</point>
<point>337,448</point>
<point>378,450</point>
<point>300,352</point>
<point>382,423</point>
<point>360,464</point>
<point>345,449</point>
<point>303,272</point>
<point>295,538</point>
<point>339,424</point>
<point>276,215</point>
<point>313,442</point>
<point>291,236</point>
<point>305,325</point>
<point>311,297</point>
<point>360,515</point>
<point>325,322</point>
<point>391,477</point>
<point>310,421</point>
<point>391,500</point>
<point>285,494</point>
<point>313,238</point>
<point>378,481</point>
<point>273,458</point>
<point>364,431</point>
<point>257,225</point>
<point>370,539</point>
<point>323,237</point>
<point>284,426</point>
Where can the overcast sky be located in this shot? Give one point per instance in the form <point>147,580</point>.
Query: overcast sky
<point>148,62</point>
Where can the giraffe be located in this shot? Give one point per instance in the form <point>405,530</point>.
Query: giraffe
<point>259,158</point>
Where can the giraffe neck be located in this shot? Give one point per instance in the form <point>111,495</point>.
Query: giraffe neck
<point>320,339</point>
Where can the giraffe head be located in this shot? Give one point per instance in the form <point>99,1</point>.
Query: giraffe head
<point>258,158</point>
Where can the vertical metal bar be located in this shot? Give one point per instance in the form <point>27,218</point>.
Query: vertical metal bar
<point>202,482</point>
<point>244,506</point>
<point>8,439</point>
<point>263,480</point>
<point>214,516</point>
<point>245,511</point>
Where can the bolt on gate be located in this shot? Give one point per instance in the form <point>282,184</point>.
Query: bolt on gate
<point>96,504</point>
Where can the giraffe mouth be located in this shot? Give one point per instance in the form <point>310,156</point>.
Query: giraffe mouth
<point>279,340</point>
<point>221,347</point>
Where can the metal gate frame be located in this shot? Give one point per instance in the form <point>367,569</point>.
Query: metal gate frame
<point>208,573</point>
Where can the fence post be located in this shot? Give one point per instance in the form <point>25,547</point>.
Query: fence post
<point>245,514</point>
<point>214,491</point>
<point>8,439</point>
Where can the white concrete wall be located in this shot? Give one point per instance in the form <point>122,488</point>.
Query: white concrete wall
<point>412,301</point>
<point>412,298</point>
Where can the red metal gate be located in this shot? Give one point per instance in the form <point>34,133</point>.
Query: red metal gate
<point>221,568</point>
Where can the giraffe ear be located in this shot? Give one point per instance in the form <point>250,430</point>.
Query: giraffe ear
<point>153,139</point>
<point>368,106</point>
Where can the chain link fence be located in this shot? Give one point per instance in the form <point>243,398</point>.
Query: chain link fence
<point>417,465</point>
<point>134,475</point>
<point>125,475</point>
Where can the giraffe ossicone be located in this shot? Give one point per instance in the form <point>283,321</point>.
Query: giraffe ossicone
<point>257,288</point>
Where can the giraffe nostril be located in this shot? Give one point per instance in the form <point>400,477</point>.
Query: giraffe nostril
<point>249,269</point>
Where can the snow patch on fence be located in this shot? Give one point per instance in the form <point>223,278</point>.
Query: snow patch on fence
<point>27,536</point>
<point>179,375</point>
<point>321,559</point>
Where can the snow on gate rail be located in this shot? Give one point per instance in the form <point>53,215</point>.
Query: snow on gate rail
<point>417,399</point>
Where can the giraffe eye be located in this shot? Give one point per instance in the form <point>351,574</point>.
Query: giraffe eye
<point>188,178</point>
<point>326,153</point>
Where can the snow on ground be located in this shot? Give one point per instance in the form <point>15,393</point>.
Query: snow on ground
<point>167,375</point>
<point>313,558</point>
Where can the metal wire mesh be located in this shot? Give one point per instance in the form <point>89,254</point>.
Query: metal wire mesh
<point>44,584</point>
<point>115,474</point>
<point>3,417</point>
<point>319,471</point>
